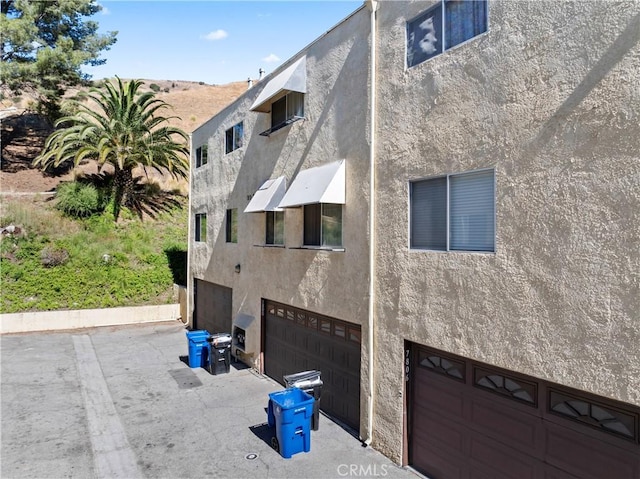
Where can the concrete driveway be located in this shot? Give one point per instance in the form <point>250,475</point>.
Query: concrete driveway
<point>120,402</point>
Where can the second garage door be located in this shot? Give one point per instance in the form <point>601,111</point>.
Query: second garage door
<point>468,419</point>
<point>297,340</point>
<point>213,307</point>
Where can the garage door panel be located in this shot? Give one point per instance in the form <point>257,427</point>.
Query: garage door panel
<point>437,464</point>
<point>435,395</point>
<point>493,456</point>
<point>212,307</point>
<point>436,431</point>
<point>550,472</point>
<point>504,424</point>
<point>585,457</point>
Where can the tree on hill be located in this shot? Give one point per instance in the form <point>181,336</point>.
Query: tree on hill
<point>44,45</point>
<point>126,131</point>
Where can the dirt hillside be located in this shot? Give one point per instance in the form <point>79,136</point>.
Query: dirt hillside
<point>24,132</point>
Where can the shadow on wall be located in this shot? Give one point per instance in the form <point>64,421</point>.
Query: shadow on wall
<point>614,54</point>
<point>177,258</point>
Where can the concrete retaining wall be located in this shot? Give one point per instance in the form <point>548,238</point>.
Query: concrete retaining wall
<point>86,318</point>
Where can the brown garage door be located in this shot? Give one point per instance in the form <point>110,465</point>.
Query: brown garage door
<point>471,420</point>
<point>212,307</point>
<point>297,340</point>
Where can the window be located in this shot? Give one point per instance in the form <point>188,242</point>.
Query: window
<point>275,227</point>
<point>444,26</point>
<point>232,225</point>
<point>202,153</point>
<point>233,138</point>
<point>285,111</point>
<point>201,227</point>
<point>323,225</point>
<point>454,213</point>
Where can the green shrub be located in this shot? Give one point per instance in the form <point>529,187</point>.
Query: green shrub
<point>51,256</point>
<point>155,87</point>
<point>77,199</point>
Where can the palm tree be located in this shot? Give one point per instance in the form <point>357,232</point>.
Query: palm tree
<point>125,131</point>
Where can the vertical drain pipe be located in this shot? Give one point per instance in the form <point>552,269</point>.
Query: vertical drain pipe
<point>373,6</point>
<point>189,319</point>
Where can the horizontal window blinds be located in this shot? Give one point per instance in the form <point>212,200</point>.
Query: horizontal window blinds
<point>472,211</point>
<point>429,214</point>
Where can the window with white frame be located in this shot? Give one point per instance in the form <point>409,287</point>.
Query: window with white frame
<point>201,227</point>
<point>454,212</point>
<point>202,154</point>
<point>443,26</point>
<point>232,225</point>
<point>323,225</point>
<point>275,228</point>
<point>233,138</point>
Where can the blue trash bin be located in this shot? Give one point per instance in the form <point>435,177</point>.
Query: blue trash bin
<point>198,348</point>
<point>291,410</point>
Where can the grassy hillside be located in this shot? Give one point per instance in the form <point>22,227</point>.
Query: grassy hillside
<point>55,262</point>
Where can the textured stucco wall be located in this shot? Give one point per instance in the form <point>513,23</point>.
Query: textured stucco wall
<point>550,98</point>
<point>335,127</point>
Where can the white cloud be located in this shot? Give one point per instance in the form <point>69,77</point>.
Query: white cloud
<point>272,58</point>
<point>216,35</point>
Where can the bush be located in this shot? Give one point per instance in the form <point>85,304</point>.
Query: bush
<point>78,199</point>
<point>51,256</point>
<point>155,87</point>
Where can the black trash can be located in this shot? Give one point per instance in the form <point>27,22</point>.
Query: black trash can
<point>309,382</point>
<point>219,353</point>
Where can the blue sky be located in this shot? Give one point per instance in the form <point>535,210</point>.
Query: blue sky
<point>215,42</point>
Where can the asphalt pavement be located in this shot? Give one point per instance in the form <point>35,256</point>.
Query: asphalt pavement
<point>122,402</point>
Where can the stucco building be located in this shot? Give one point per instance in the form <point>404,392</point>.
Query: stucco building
<point>435,203</point>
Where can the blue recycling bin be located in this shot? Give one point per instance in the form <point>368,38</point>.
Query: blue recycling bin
<point>198,348</point>
<point>291,411</point>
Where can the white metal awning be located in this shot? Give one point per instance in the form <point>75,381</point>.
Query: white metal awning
<point>292,78</point>
<point>323,184</point>
<point>268,196</point>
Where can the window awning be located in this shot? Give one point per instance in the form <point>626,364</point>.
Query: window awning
<point>293,78</point>
<point>323,184</point>
<point>268,196</point>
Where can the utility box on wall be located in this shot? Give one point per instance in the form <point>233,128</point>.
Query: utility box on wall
<point>245,334</point>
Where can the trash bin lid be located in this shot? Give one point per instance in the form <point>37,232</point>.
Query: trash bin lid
<point>312,375</point>
<point>220,339</point>
<point>306,384</point>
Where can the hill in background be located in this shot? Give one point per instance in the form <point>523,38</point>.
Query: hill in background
<point>24,132</point>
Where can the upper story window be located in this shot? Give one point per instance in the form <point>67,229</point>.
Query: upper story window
<point>202,154</point>
<point>454,212</point>
<point>275,228</point>
<point>233,138</point>
<point>447,24</point>
<point>232,226</point>
<point>323,225</point>
<point>283,96</point>
<point>201,227</point>
<point>286,110</point>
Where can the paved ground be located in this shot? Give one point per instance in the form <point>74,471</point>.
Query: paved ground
<point>120,402</point>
